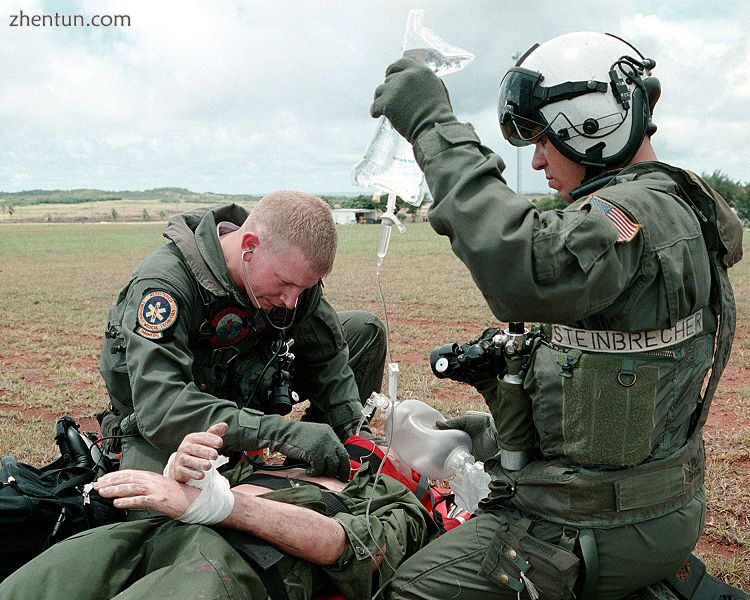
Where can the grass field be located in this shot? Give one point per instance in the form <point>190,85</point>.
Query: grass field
<point>104,211</point>
<point>58,281</point>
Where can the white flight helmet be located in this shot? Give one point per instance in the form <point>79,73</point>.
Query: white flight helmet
<point>589,93</point>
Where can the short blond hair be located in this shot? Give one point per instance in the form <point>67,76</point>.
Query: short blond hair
<point>301,220</point>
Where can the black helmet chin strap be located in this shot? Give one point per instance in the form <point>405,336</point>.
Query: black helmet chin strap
<point>594,161</point>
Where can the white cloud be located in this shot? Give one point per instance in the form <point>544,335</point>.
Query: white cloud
<point>703,65</point>
<point>249,96</point>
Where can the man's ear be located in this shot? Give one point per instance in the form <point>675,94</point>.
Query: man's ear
<point>249,242</point>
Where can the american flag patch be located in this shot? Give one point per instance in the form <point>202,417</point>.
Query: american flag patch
<point>626,229</point>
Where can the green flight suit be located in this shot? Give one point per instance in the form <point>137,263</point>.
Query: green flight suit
<point>185,349</point>
<point>162,558</point>
<point>609,484</point>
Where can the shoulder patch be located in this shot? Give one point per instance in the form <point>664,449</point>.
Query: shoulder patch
<point>157,314</point>
<point>626,229</point>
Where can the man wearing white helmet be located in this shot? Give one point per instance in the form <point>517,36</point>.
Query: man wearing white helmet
<point>630,283</point>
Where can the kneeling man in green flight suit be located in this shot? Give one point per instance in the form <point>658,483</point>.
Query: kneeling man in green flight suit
<point>602,494</point>
<point>228,322</point>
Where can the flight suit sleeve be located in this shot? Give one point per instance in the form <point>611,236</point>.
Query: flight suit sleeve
<point>322,372</point>
<point>387,522</point>
<point>166,401</point>
<point>557,266</point>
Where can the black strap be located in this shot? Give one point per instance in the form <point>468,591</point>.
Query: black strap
<point>568,90</point>
<point>263,555</point>
<point>258,551</point>
<point>277,482</point>
<point>81,479</point>
<point>364,455</point>
<point>590,555</point>
<point>692,582</point>
<point>435,514</point>
<point>273,583</point>
<point>334,503</point>
<point>423,487</point>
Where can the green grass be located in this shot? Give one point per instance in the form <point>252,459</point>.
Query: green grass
<point>74,240</point>
<point>58,281</point>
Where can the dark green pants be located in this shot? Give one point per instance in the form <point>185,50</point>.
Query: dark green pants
<point>365,336</point>
<point>150,558</point>
<point>630,557</point>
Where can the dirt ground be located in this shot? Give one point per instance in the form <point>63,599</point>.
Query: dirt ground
<point>727,531</point>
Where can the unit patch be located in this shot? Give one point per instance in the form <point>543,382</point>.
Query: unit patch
<point>626,229</point>
<point>229,326</point>
<point>157,314</point>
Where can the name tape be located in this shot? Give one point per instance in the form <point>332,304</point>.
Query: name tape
<point>628,341</point>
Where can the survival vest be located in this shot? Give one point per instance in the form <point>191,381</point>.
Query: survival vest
<point>586,497</point>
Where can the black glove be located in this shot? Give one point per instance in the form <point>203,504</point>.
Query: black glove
<point>412,98</point>
<point>313,443</point>
<point>481,428</point>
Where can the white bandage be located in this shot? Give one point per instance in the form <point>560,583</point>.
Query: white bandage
<point>215,502</point>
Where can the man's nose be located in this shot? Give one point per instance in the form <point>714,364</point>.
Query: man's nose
<point>538,161</point>
<point>290,299</point>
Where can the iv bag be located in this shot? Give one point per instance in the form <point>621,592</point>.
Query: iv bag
<point>426,48</point>
<point>388,164</point>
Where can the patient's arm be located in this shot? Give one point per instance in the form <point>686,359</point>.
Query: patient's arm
<point>296,530</point>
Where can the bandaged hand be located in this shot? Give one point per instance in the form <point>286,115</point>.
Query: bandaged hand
<point>206,499</point>
<point>195,463</point>
<point>412,98</point>
<point>206,502</point>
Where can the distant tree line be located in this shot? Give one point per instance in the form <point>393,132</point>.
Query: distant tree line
<point>168,194</point>
<point>737,194</point>
<point>373,201</point>
<point>734,192</point>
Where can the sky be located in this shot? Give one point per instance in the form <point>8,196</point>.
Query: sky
<point>250,96</point>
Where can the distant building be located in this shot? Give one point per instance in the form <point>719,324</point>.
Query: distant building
<point>351,216</point>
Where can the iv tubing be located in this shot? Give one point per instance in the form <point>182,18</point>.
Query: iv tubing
<point>383,249</point>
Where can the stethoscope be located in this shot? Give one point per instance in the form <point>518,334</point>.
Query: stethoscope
<point>281,343</point>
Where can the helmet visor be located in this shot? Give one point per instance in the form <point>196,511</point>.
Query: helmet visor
<point>521,122</point>
<point>520,131</point>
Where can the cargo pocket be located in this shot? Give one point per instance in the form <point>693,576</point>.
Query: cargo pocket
<point>597,409</point>
<point>608,410</point>
<point>519,561</point>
